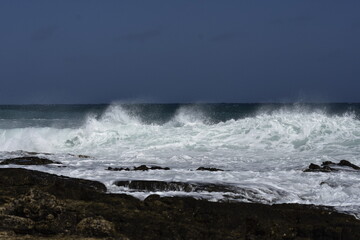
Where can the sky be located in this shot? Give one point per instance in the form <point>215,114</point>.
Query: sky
<point>87,51</point>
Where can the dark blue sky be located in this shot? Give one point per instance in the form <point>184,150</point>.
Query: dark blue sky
<point>83,51</point>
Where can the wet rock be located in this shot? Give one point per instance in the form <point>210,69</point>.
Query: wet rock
<point>209,169</point>
<point>146,168</point>
<point>28,161</point>
<point>316,168</point>
<point>153,186</point>
<point>118,169</point>
<point>16,181</point>
<point>348,164</point>
<point>96,227</point>
<point>329,166</point>
<point>139,168</point>
<point>48,212</point>
<point>161,186</point>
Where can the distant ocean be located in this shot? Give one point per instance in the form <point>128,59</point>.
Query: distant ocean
<point>263,148</point>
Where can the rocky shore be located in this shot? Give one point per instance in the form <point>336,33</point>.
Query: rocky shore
<point>38,205</point>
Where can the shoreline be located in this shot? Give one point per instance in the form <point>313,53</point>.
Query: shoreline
<point>39,205</point>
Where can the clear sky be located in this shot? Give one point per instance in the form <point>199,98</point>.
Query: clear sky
<point>84,51</point>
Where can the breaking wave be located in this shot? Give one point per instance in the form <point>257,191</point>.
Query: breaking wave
<point>192,128</point>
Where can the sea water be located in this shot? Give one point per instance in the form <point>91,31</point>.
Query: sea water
<point>262,148</point>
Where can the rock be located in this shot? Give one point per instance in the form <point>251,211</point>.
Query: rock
<point>153,186</point>
<point>118,169</point>
<point>316,168</point>
<point>146,168</point>
<point>348,164</point>
<point>95,227</point>
<point>329,166</point>
<point>28,161</point>
<point>47,206</point>
<point>158,168</point>
<point>139,168</point>
<point>83,156</point>
<point>161,186</point>
<point>209,169</point>
<point>17,224</point>
<point>17,181</point>
<point>46,212</point>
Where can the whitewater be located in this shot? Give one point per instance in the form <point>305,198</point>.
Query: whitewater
<point>262,148</point>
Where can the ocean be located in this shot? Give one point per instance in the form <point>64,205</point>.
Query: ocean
<point>262,148</point>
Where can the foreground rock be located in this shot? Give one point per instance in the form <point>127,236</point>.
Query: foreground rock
<point>36,205</point>
<point>30,160</point>
<point>329,166</point>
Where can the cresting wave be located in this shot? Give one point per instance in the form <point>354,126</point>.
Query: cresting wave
<point>118,129</point>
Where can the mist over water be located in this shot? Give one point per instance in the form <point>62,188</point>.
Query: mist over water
<point>262,147</point>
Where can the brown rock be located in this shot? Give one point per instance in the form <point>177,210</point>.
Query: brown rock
<point>17,224</point>
<point>96,227</point>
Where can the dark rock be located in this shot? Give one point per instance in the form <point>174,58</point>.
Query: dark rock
<point>29,161</point>
<point>146,168</point>
<point>139,168</point>
<point>316,168</point>
<point>83,156</point>
<point>63,215</point>
<point>15,181</point>
<point>154,186</point>
<point>16,224</point>
<point>329,166</point>
<point>328,163</point>
<point>158,168</point>
<point>118,169</point>
<point>348,164</point>
<point>208,169</point>
<point>46,212</point>
<point>96,227</point>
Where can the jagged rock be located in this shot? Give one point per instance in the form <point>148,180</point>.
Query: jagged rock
<point>154,186</point>
<point>95,212</point>
<point>96,227</point>
<point>342,163</point>
<point>28,161</point>
<point>45,211</point>
<point>316,168</point>
<point>146,168</point>
<point>17,181</point>
<point>118,169</point>
<point>139,168</point>
<point>16,224</point>
<point>209,169</point>
<point>329,166</point>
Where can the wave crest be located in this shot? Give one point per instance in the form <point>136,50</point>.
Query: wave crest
<point>191,129</point>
